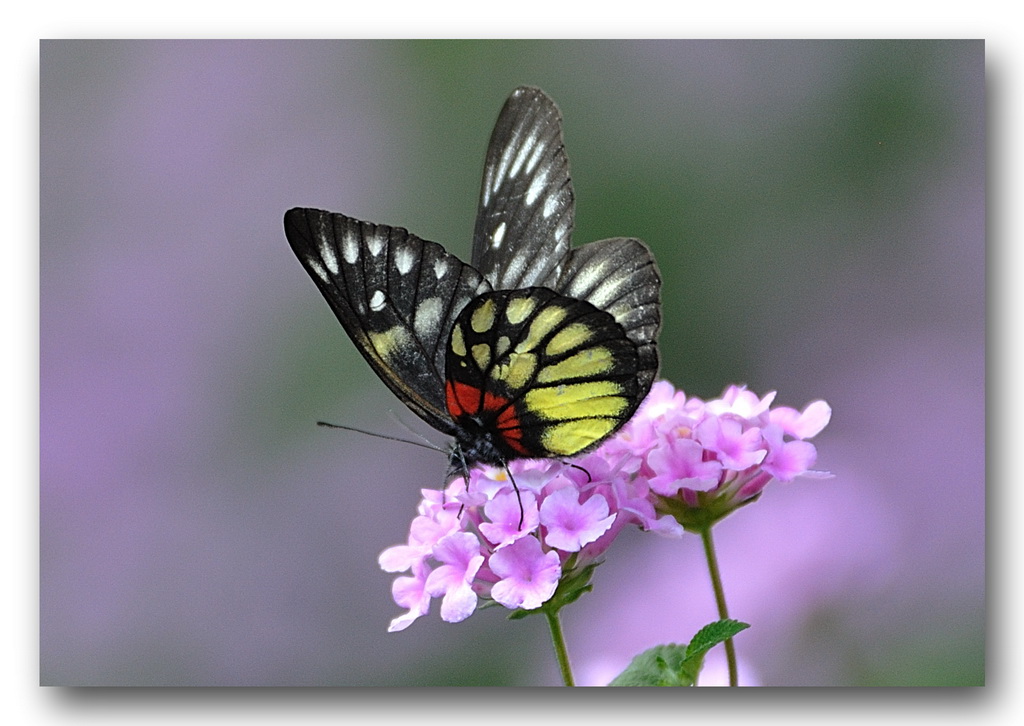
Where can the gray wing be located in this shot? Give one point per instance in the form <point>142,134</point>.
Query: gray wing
<point>619,275</point>
<point>525,218</point>
<point>396,295</point>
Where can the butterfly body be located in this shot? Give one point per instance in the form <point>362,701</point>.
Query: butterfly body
<point>536,350</point>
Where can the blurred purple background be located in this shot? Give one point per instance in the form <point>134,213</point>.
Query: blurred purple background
<point>817,209</point>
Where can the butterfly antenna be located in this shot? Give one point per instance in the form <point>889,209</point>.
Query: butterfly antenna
<point>421,444</point>
<point>398,419</point>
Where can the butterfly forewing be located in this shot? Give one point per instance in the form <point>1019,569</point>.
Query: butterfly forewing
<point>396,295</point>
<point>524,226</point>
<point>524,222</point>
<point>538,375</point>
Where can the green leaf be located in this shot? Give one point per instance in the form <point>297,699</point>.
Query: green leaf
<point>677,665</point>
<point>711,635</point>
<point>657,666</point>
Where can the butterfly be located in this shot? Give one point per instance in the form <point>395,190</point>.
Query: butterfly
<point>535,350</point>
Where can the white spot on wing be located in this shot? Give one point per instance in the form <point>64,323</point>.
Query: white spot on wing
<point>498,236</point>
<point>327,252</point>
<point>427,315</point>
<point>537,153</point>
<point>506,156</point>
<point>403,260</point>
<point>586,280</point>
<point>537,186</point>
<point>605,293</point>
<point>350,247</point>
<point>521,157</point>
<point>550,205</point>
<point>440,267</point>
<point>377,301</point>
<point>317,269</point>
<point>375,243</point>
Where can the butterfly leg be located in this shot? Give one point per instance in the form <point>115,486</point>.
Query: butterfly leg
<point>590,479</point>
<point>519,497</point>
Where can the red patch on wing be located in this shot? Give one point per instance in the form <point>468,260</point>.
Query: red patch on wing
<point>466,400</point>
<point>510,430</point>
<point>463,399</point>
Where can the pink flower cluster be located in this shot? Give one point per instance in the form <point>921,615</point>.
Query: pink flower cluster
<point>729,447</point>
<point>467,543</point>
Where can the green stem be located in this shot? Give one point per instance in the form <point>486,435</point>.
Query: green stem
<point>723,611</point>
<point>558,640</point>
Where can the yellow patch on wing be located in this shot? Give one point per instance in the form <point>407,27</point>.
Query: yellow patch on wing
<point>458,341</point>
<point>586,363</point>
<point>482,355</point>
<point>390,340</point>
<point>516,371</point>
<point>571,437</point>
<point>483,317</point>
<point>569,337</point>
<point>577,400</point>
<point>544,322</point>
<point>519,309</point>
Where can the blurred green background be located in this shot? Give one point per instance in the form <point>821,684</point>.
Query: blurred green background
<point>817,211</point>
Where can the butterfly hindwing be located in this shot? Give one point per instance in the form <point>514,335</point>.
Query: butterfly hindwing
<point>619,275</point>
<point>395,294</point>
<point>535,374</point>
<point>525,218</point>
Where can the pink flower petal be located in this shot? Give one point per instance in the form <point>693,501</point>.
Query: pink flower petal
<point>529,575</point>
